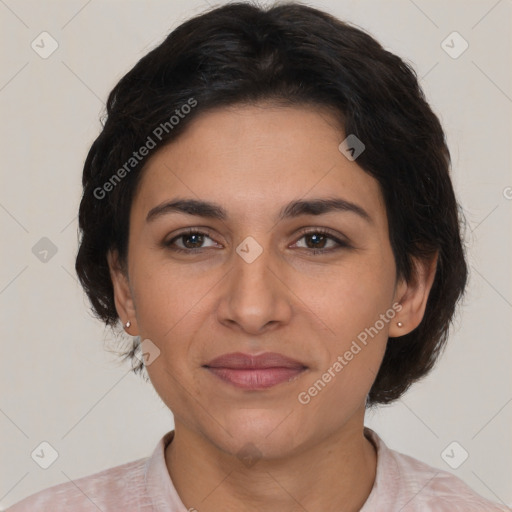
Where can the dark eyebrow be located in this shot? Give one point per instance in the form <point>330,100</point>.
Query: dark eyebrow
<point>293,209</point>
<point>321,206</point>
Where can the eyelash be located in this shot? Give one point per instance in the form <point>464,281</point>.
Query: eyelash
<point>318,231</point>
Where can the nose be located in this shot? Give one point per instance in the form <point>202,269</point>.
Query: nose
<point>255,297</point>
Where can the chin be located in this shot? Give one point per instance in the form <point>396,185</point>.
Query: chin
<point>263,433</point>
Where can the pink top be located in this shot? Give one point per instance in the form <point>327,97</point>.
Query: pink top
<point>401,484</point>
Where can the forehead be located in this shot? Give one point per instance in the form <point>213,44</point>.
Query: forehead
<point>255,159</point>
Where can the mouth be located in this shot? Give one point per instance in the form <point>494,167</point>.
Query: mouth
<point>255,372</point>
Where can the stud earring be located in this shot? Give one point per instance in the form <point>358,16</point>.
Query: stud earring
<point>399,324</point>
<point>127,324</point>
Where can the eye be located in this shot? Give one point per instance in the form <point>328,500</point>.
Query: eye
<point>191,240</point>
<point>316,239</point>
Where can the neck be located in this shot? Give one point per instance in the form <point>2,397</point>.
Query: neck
<point>334,474</point>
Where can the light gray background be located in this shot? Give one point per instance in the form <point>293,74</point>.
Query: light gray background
<point>58,383</point>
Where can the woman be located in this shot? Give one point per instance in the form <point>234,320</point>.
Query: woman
<point>268,211</point>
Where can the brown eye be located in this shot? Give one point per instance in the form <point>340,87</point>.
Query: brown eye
<point>193,241</point>
<point>190,241</point>
<point>316,240</point>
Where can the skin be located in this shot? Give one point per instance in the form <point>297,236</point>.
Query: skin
<point>252,160</point>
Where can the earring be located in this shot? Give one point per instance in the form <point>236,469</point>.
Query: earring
<point>399,324</point>
<point>127,324</point>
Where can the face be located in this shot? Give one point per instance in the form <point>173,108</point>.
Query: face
<point>255,275</point>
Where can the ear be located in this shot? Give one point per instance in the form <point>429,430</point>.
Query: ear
<point>413,296</point>
<point>123,295</point>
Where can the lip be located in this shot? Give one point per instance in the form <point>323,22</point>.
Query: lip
<point>253,372</point>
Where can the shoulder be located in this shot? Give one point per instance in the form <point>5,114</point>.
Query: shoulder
<point>417,487</point>
<point>439,490</point>
<point>116,488</point>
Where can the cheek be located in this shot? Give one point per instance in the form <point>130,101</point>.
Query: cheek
<point>167,296</point>
<point>350,297</point>
<point>351,305</point>
<point>342,381</point>
<point>171,309</point>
